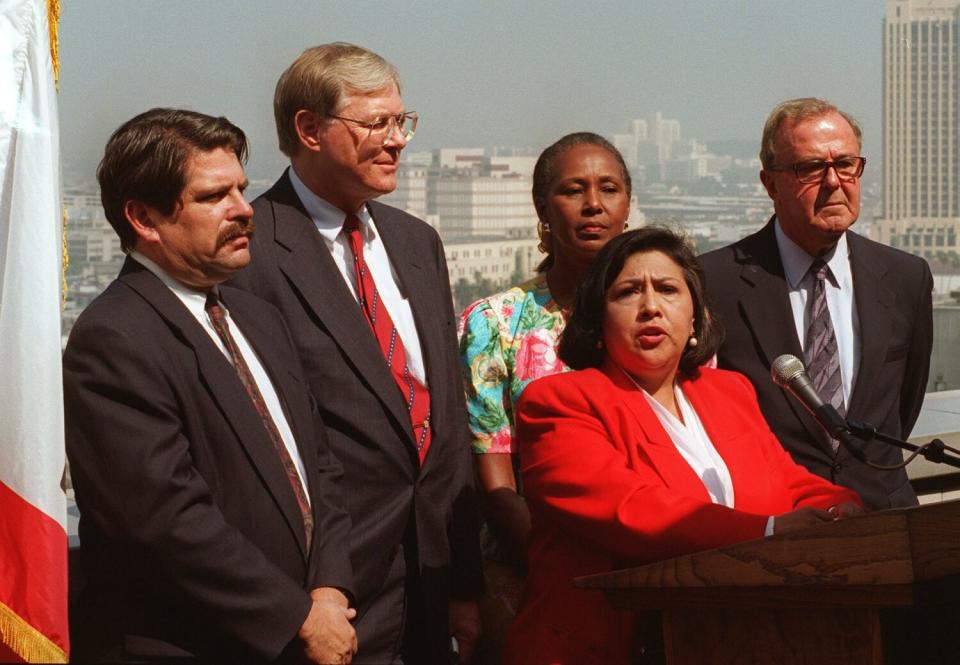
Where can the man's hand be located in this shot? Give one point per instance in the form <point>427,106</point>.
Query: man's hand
<point>845,509</point>
<point>328,638</point>
<point>465,626</point>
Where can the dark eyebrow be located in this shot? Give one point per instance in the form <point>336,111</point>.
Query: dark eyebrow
<point>637,280</point>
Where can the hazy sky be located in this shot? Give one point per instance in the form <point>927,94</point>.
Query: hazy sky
<point>479,73</point>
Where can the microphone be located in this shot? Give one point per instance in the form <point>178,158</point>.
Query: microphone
<point>789,373</point>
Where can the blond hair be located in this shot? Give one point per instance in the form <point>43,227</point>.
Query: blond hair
<point>318,80</point>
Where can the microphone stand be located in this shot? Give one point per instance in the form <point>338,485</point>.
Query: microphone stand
<point>935,451</point>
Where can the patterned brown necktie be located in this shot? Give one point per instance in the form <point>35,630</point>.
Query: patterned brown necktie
<point>219,320</point>
<point>820,354</point>
<point>415,394</point>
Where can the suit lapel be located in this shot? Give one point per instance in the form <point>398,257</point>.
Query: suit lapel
<point>297,412</point>
<point>765,302</point>
<point>724,433</point>
<point>221,380</point>
<point>873,302</point>
<point>665,459</point>
<point>276,365</point>
<point>304,259</point>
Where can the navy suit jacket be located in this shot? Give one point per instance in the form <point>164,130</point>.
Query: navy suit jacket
<point>429,512</point>
<point>192,541</point>
<point>748,292</point>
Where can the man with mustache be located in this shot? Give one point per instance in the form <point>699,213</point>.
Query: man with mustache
<point>364,289</point>
<point>858,313</point>
<point>211,522</point>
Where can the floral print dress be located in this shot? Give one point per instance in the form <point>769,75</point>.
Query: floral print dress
<point>506,341</point>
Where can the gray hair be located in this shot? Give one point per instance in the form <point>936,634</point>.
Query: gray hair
<point>793,110</point>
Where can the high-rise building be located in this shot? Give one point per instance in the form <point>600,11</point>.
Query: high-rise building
<point>921,127</point>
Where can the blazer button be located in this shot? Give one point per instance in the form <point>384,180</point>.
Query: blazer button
<point>836,467</point>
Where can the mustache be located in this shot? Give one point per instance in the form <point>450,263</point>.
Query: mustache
<point>244,227</point>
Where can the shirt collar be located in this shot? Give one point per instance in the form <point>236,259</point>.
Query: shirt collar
<point>195,301</point>
<point>796,262</point>
<point>327,217</point>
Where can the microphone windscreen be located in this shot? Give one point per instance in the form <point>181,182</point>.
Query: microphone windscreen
<point>785,369</point>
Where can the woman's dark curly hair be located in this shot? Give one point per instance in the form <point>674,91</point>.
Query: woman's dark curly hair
<point>579,346</point>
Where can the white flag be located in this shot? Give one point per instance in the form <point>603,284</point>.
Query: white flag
<point>33,539</point>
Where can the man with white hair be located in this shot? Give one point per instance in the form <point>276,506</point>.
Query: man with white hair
<point>859,313</point>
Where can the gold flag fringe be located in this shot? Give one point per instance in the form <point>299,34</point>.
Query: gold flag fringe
<point>53,22</point>
<point>26,641</point>
<point>65,256</point>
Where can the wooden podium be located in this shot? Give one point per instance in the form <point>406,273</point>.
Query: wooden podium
<point>811,596</point>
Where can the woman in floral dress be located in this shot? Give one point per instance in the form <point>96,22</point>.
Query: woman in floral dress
<point>581,191</point>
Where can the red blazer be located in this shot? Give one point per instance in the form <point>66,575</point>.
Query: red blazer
<point>608,488</point>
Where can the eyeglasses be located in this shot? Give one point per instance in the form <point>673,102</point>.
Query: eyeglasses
<point>382,128</point>
<point>848,169</point>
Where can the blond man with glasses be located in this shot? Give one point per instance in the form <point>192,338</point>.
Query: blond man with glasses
<point>364,289</point>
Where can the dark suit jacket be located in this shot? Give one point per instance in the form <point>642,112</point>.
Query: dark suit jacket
<point>191,538</point>
<point>394,504</point>
<point>747,291</point>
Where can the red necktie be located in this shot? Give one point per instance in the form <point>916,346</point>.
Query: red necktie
<point>415,394</point>
<point>219,320</point>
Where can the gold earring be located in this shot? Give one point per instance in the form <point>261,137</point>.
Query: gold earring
<point>543,229</point>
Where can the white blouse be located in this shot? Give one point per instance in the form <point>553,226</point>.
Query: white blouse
<point>695,446</point>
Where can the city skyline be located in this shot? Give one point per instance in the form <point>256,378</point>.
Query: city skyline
<point>480,75</point>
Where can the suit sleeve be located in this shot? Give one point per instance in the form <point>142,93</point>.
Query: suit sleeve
<point>464,529</point>
<point>798,487</point>
<point>918,358</point>
<point>132,466</point>
<point>330,559</point>
<point>576,471</point>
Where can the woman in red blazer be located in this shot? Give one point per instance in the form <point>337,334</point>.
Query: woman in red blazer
<point>644,454</point>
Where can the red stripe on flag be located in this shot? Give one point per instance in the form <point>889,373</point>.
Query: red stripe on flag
<point>33,567</point>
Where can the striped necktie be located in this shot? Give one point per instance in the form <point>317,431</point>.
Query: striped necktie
<point>219,320</point>
<point>415,394</point>
<point>820,352</point>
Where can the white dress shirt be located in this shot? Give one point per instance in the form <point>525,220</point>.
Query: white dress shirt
<point>840,300</point>
<point>195,302</point>
<point>329,221</point>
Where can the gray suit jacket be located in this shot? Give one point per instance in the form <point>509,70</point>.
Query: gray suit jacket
<point>394,504</point>
<point>747,291</point>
